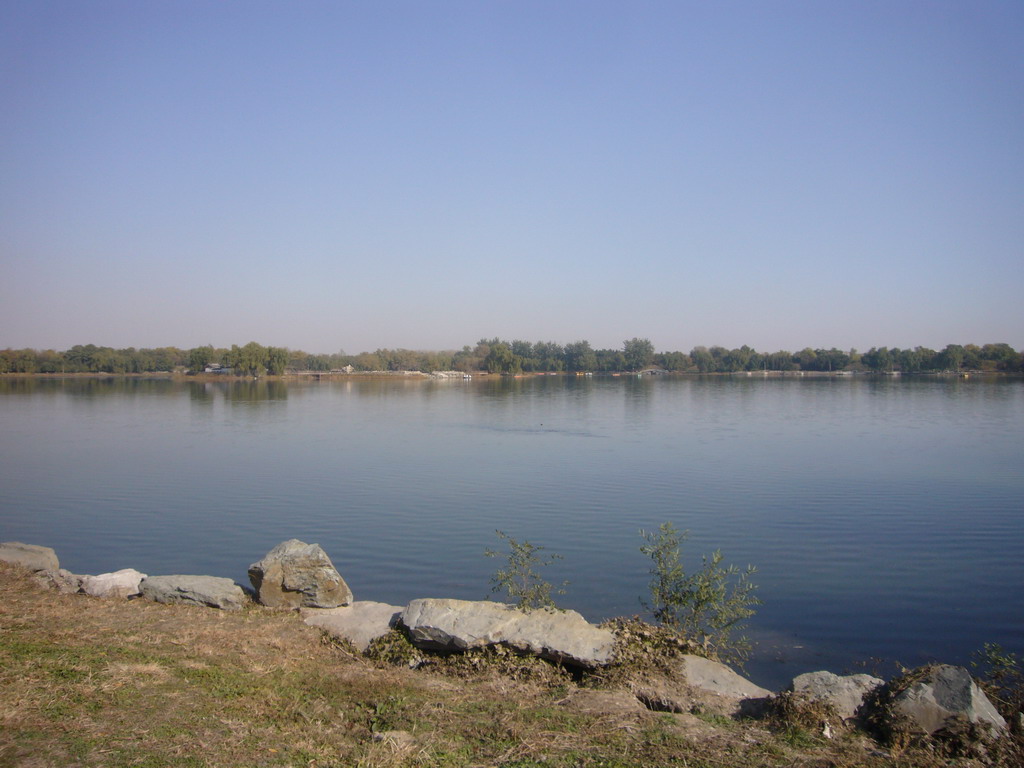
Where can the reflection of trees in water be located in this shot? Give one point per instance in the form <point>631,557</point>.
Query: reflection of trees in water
<point>255,391</point>
<point>87,387</point>
<point>251,391</point>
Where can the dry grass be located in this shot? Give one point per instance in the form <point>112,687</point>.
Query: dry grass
<point>88,682</point>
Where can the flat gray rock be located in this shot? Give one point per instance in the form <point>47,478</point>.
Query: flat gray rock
<point>845,694</point>
<point>360,623</point>
<point>62,580</point>
<point>699,684</point>
<point>123,583</point>
<point>715,677</point>
<point>458,625</point>
<point>211,591</point>
<point>32,556</point>
<point>944,693</point>
<point>298,575</point>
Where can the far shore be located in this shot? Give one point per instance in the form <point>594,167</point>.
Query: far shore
<point>364,375</point>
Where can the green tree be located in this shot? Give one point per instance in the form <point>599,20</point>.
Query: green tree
<point>524,351</point>
<point>703,359</point>
<point>806,359</point>
<point>520,579</point>
<point>737,359</point>
<point>199,358</point>
<point>368,361</point>
<point>707,605</point>
<point>250,360</point>
<point>277,360</point>
<point>637,353</point>
<point>501,359</point>
<point>952,357</point>
<point>674,361</point>
<point>878,360</point>
<point>610,360</point>
<point>1005,357</point>
<point>580,357</point>
<point>549,356</point>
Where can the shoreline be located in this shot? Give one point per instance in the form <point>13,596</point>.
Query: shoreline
<point>420,375</point>
<point>107,681</point>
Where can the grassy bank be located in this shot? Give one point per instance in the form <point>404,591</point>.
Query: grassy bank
<point>90,682</point>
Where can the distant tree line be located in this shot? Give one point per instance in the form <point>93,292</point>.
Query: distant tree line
<point>511,357</point>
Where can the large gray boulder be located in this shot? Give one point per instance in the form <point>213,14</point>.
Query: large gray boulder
<point>943,693</point>
<point>62,580</point>
<point>845,694</point>
<point>123,583</point>
<point>459,625</point>
<point>695,683</point>
<point>360,623</point>
<point>32,556</point>
<point>715,677</point>
<point>298,575</point>
<point>212,591</point>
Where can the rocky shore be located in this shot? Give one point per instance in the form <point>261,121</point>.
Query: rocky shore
<point>939,709</point>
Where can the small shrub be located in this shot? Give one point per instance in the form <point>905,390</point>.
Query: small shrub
<point>888,724</point>
<point>394,649</point>
<point>520,579</point>
<point>791,711</point>
<point>642,650</point>
<point>499,660</point>
<point>387,714</point>
<point>707,605</point>
<point>1002,679</point>
<point>1003,682</point>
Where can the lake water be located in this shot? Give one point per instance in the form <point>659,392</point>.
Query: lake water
<point>885,515</point>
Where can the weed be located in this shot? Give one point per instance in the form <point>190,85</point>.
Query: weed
<point>501,661</point>
<point>1002,679</point>
<point>394,648</point>
<point>707,605</point>
<point>890,725</point>
<point>388,714</point>
<point>641,650</point>
<point>790,712</point>
<point>520,579</point>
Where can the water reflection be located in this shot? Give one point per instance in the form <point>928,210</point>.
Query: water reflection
<point>852,495</point>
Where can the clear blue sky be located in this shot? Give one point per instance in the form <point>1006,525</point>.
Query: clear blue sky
<point>351,175</point>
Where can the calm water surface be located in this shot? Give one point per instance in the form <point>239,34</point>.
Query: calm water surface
<point>885,515</point>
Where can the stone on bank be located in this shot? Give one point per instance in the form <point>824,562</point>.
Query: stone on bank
<point>943,694</point>
<point>298,575</point>
<point>459,625</point>
<point>846,693</point>
<point>32,556</point>
<point>123,583</point>
<point>210,591</point>
<point>360,623</point>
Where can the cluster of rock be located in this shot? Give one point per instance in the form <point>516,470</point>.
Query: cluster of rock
<point>296,575</point>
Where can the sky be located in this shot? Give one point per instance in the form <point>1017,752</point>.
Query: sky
<point>345,176</point>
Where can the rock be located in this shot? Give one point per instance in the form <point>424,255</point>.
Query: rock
<point>845,694</point>
<point>458,625</point>
<point>295,574</point>
<point>211,591</point>
<point>942,694</point>
<point>32,556</point>
<point>697,684</point>
<point>359,623</point>
<point>62,580</point>
<point>123,583</point>
<point>715,677</point>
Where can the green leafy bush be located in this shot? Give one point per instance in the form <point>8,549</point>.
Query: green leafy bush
<point>520,579</point>
<point>707,605</point>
